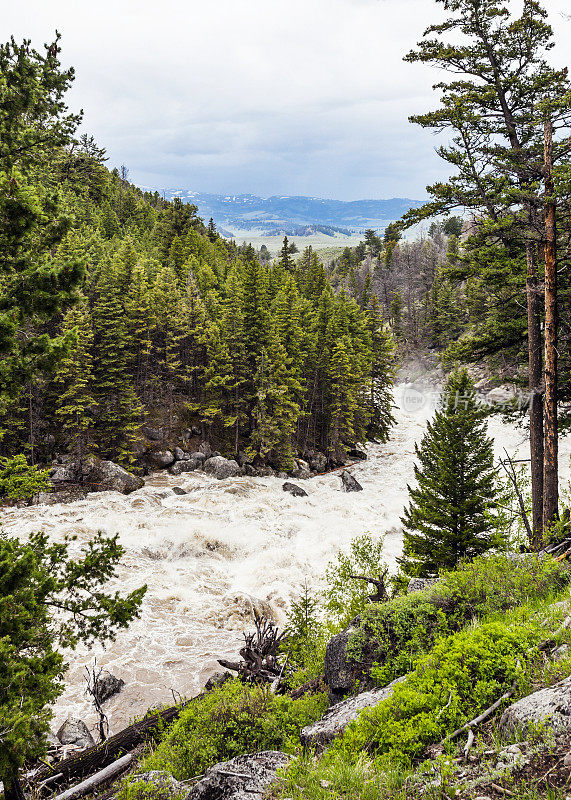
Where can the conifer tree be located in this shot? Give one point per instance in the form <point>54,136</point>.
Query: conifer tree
<point>139,318</point>
<point>276,409</point>
<point>118,418</point>
<point>34,285</point>
<point>450,515</point>
<point>75,404</point>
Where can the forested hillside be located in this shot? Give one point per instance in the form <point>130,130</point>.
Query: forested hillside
<point>167,324</point>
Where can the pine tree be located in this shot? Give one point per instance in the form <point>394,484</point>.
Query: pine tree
<point>119,414</point>
<point>382,375</point>
<point>285,260</point>
<point>139,318</point>
<point>450,515</point>
<point>276,409</point>
<point>34,284</point>
<point>75,404</point>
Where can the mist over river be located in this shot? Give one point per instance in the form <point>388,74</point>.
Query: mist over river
<point>210,556</point>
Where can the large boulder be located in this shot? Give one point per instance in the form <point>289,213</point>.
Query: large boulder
<point>339,675</point>
<point>242,778</point>
<point>160,785</point>
<point>301,474</point>
<point>180,454</point>
<point>317,461</point>
<point>105,476</point>
<point>189,465</point>
<point>107,685</point>
<point>357,454</point>
<point>296,491</point>
<point>64,473</point>
<point>336,718</point>
<point>551,706</point>
<point>350,484</point>
<point>221,467</point>
<point>75,731</point>
<point>159,459</point>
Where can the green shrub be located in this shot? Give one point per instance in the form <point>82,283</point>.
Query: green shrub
<point>393,635</point>
<point>133,788</point>
<point>229,721</point>
<point>19,480</point>
<point>464,674</point>
<point>346,597</point>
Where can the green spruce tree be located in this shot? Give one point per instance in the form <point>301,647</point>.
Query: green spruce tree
<point>450,515</point>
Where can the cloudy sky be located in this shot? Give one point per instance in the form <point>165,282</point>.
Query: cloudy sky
<point>262,96</point>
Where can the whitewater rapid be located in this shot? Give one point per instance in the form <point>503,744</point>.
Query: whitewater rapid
<point>210,556</point>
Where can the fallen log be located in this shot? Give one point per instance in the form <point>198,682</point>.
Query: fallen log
<point>104,775</point>
<point>95,758</point>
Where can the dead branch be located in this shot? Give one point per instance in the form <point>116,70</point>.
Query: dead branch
<point>512,476</point>
<point>93,689</point>
<point>381,595</point>
<point>483,716</point>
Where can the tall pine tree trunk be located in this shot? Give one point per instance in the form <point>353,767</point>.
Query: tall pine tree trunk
<point>535,372</point>
<point>550,474</point>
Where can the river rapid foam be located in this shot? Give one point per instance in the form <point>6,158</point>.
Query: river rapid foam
<point>209,557</point>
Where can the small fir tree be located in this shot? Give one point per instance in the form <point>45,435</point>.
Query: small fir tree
<point>450,517</point>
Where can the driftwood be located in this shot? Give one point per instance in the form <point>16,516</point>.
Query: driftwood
<point>104,775</point>
<point>95,758</point>
<point>260,653</point>
<point>381,595</point>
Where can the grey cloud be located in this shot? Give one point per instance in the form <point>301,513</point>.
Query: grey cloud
<point>264,96</point>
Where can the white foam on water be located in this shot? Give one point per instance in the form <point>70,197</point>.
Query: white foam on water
<point>210,556</point>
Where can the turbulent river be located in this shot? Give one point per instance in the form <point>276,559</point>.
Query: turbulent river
<point>210,556</point>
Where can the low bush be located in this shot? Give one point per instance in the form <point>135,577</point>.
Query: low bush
<point>463,674</point>
<point>392,636</point>
<point>231,720</point>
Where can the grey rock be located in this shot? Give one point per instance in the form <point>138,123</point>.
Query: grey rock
<point>75,731</point>
<point>107,685</point>
<point>161,785</point>
<point>301,474</point>
<point>63,473</point>
<point>179,454</point>
<point>198,456</point>
<point>296,491</point>
<point>338,674</point>
<point>221,467</point>
<point>420,584</point>
<point>153,434</point>
<point>264,471</point>
<point>218,679</point>
<point>358,454</point>
<point>242,778</point>
<point>159,459</point>
<point>336,718</point>
<point>317,461</point>
<point>107,476</point>
<point>178,490</point>
<point>350,484</point>
<point>188,465</point>
<point>561,652</point>
<point>551,706</point>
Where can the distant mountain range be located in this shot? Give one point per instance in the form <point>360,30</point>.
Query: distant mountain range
<point>295,216</point>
